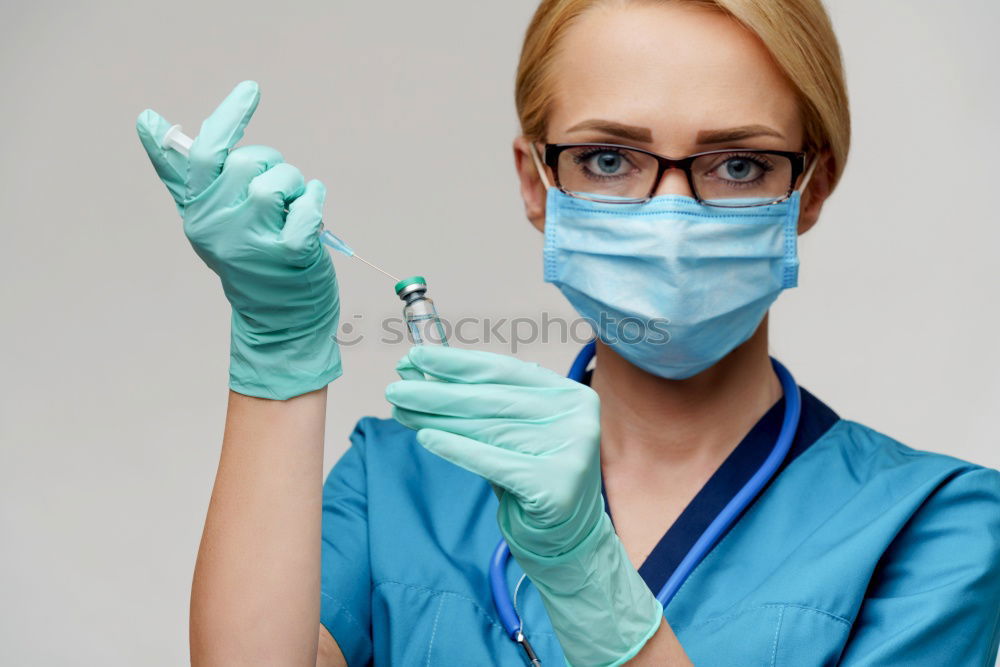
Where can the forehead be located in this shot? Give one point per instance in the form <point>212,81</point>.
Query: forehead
<point>673,68</point>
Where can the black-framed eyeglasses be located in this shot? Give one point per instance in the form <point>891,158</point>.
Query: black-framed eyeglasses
<point>727,178</point>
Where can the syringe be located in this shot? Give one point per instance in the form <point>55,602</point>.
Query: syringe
<point>176,140</point>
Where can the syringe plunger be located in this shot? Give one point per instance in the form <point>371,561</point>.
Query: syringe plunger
<point>177,140</point>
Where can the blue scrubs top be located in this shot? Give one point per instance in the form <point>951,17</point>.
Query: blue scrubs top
<point>860,551</point>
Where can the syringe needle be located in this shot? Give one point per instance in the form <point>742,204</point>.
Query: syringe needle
<point>356,256</point>
<point>330,239</point>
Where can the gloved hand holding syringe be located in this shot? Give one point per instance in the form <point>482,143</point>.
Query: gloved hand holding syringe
<point>175,139</point>
<point>419,312</point>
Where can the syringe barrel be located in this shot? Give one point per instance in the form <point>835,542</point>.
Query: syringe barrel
<point>175,139</point>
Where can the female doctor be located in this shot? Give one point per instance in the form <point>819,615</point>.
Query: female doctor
<point>683,501</point>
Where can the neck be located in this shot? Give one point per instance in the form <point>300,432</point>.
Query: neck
<point>648,420</point>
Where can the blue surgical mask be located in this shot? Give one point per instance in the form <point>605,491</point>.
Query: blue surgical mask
<point>671,284</point>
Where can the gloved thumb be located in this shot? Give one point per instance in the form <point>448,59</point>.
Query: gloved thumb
<point>304,219</point>
<point>170,165</point>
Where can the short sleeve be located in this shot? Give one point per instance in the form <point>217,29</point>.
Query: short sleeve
<point>935,597</point>
<point>345,595</point>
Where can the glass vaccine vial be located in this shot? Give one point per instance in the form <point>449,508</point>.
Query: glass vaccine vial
<point>422,321</point>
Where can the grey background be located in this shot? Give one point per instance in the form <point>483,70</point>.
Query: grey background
<point>115,336</point>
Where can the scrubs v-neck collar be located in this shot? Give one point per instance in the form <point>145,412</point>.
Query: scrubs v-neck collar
<point>728,479</point>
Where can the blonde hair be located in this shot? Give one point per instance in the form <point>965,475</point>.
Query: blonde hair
<point>797,33</point>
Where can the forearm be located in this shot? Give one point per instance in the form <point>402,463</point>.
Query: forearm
<point>662,650</point>
<point>255,596</point>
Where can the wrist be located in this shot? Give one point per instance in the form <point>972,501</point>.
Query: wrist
<point>599,605</point>
<point>285,363</point>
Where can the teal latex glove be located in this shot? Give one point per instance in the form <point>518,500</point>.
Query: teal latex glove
<point>535,436</point>
<point>275,273</point>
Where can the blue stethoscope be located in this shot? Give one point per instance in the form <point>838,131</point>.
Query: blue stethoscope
<point>498,563</point>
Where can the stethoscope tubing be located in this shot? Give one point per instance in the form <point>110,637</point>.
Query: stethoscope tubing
<point>743,498</point>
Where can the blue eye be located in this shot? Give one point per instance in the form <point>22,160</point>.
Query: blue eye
<point>740,169</point>
<point>607,163</point>
<point>603,162</point>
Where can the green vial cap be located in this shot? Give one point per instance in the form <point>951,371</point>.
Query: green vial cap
<point>406,282</point>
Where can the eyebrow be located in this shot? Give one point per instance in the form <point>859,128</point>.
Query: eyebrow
<point>632,132</point>
<point>736,134</point>
<point>645,135</point>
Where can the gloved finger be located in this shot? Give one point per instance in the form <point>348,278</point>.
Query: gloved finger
<point>483,401</point>
<point>501,467</point>
<point>219,133</point>
<point>276,187</point>
<point>476,366</point>
<point>241,167</point>
<point>493,432</point>
<point>407,371</point>
<point>170,165</point>
<point>305,217</point>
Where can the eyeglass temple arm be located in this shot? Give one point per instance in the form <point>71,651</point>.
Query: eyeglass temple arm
<point>538,165</point>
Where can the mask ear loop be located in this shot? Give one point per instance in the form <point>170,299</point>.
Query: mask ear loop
<point>809,173</point>
<point>538,165</point>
